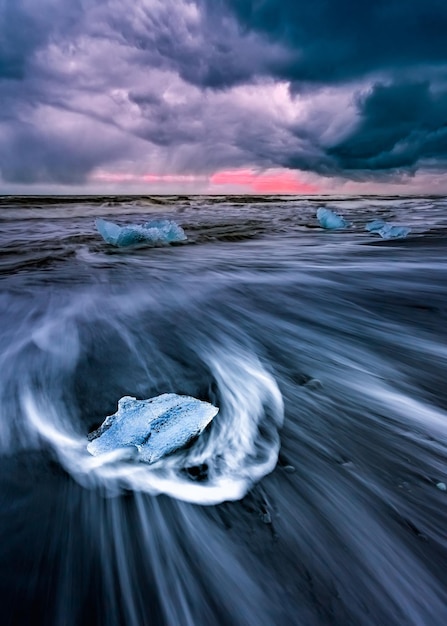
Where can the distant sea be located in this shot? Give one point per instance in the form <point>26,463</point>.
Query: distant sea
<point>317,495</point>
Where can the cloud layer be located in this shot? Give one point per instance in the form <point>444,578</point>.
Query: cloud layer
<point>332,90</point>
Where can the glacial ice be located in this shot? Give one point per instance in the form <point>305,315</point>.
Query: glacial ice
<point>387,231</point>
<point>152,428</point>
<point>155,232</point>
<point>329,219</point>
<point>375,226</point>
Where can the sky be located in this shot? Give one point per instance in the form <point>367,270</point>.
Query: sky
<point>223,96</point>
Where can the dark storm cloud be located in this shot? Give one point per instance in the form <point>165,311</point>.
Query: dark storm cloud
<point>219,131</point>
<point>175,84</point>
<point>30,154</point>
<point>49,59</point>
<point>336,40</point>
<point>400,125</point>
<point>204,47</point>
<point>26,26</point>
<point>166,124</point>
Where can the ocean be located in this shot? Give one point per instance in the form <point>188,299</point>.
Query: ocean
<point>317,495</point>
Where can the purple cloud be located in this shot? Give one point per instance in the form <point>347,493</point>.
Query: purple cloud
<point>193,88</point>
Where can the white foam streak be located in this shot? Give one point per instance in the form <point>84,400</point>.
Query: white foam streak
<point>241,447</point>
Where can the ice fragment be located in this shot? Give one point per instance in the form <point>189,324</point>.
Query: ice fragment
<point>387,231</point>
<point>329,219</point>
<point>155,427</point>
<point>156,232</point>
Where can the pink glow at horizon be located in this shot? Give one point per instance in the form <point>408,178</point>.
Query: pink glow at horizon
<point>269,182</point>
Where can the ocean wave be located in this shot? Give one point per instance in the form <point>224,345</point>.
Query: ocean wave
<point>324,472</point>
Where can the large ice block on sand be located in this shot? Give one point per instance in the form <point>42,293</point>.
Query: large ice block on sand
<point>329,219</point>
<point>156,232</point>
<point>387,231</point>
<point>154,427</point>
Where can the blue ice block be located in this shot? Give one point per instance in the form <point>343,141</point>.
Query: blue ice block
<point>330,220</point>
<point>388,231</point>
<point>156,232</point>
<point>153,427</point>
<point>375,226</point>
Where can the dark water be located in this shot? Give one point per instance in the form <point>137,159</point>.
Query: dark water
<point>315,497</point>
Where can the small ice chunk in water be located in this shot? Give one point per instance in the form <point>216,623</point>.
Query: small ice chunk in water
<point>394,232</point>
<point>387,231</point>
<point>375,226</point>
<point>167,230</point>
<point>156,232</point>
<point>155,427</point>
<point>441,486</point>
<point>329,219</point>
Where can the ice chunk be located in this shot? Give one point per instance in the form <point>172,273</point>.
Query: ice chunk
<point>167,230</point>
<point>156,232</point>
<point>154,427</point>
<point>394,232</point>
<point>329,219</point>
<point>375,226</point>
<point>388,231</point>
